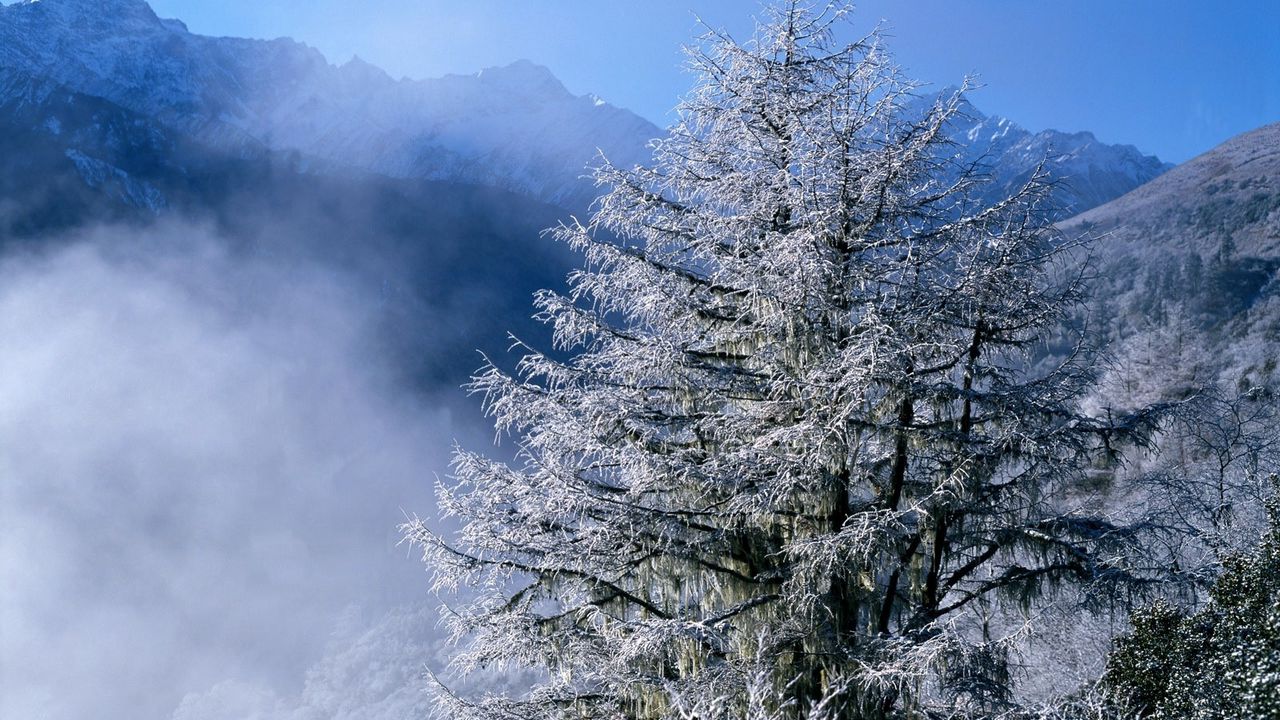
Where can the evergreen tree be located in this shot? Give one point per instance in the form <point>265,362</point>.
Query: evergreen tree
<point>1220,663</point>
<point>797,445</point>
<point>1192,278</point>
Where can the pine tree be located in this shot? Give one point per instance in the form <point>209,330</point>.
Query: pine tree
<point>797,443</point>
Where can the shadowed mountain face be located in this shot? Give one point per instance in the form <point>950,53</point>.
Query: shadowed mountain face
<point>466,256</point>
<point>514,127</point>
<point>453,267</point>
<point>434,192</point>
<point>67,158</point>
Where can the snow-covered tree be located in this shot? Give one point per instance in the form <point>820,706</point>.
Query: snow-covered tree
<point>1207,477</point>
<point>1218,663</point>
<point>793,451</point>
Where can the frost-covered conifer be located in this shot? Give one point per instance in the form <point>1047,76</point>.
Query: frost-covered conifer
<point>1219,663</point>
<point>796,446</point>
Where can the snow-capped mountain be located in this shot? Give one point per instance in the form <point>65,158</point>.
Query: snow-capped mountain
<point>514,127</point>
<point>1088,172</point>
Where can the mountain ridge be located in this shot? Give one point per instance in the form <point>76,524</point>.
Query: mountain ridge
<point>1235,161</point>
<point>515,127</point>
<point>1086,171</point>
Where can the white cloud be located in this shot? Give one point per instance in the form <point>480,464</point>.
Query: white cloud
<point>202,462</point>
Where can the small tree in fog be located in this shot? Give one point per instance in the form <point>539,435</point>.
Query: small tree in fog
<point>797,447</point>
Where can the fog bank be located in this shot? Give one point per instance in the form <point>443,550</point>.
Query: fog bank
<point>203,458</point>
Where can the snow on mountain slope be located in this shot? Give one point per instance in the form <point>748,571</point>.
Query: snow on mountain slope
<point>1228,194</point>
<point>66,157</point>
<point>1089,172</point>
<point>514,127</point>
<point>1194,255</point>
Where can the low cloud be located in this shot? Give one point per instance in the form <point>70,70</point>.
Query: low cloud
<point>370,671</point>
<point>205,455</point>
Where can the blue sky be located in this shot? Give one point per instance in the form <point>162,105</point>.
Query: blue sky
<point>1173,77</point>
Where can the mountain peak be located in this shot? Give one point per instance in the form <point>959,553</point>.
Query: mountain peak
<point>1088,172</point>
<point>522,76</point>
<point>360,71</point>
<point>104,9</point>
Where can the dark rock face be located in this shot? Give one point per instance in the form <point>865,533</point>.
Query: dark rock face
<point>515,127</point>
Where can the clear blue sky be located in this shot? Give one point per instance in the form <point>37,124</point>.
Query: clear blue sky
<point>1173,77</point>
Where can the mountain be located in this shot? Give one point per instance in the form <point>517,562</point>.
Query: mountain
<point>1188,266</point>
<point>69,158</point>
<point>110,113</point>
<point>1228,195</point>
<point>514,127</point>
<point>1088,172</point>
<point>454,265</point>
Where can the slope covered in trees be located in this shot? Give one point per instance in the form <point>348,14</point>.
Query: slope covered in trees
<point>1195,253</point>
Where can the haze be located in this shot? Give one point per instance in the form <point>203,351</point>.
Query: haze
<point>1174,79</point>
